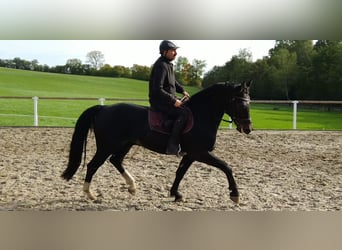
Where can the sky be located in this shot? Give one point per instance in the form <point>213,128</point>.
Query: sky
<point>129,52</point>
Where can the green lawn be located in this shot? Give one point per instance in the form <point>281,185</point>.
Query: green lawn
<point>19,112</point>
<point>29,83</point>
<point>268,116</point>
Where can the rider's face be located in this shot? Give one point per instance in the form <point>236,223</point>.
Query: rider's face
<point>170,54</point>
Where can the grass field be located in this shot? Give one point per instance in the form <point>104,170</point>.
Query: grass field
<point>19,112</point>
<point>267,116</point>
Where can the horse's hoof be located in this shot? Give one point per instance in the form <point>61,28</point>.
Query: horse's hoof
<point>132,191</point>
<point>178,196</point>
<point>235,199</point>
<point>179,199</point>
<point>90,195</point>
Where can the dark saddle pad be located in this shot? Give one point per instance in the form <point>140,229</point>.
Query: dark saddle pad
<point>161,123</point>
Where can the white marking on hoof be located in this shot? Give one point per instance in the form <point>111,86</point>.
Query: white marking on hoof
<point>132,190</point>
<point>130,182</point>
<point>86,190</point>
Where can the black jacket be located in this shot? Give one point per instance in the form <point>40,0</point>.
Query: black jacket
<point>163,85</point>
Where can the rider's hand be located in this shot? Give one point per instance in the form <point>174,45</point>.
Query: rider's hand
<point>178,103</point>
<point>186,94</point>
<point>185,97</point>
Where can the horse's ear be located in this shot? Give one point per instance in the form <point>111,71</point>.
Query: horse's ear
<point>245,85</point>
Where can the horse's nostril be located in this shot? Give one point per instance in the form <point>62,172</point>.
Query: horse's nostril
<point>247,130</point>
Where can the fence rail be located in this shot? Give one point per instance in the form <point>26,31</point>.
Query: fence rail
<point>144,99</point>
<point>102,102</point>
<point>303,102</point>
<point>74,98</point>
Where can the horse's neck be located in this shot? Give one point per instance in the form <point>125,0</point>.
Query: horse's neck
<point>208,111</point>
<point>209,103</point>
<point>216,116</point>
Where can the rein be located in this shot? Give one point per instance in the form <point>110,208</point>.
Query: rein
<point>241,98</point>
<point>229,121</point>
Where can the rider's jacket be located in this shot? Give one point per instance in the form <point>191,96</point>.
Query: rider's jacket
<point>163,85</point>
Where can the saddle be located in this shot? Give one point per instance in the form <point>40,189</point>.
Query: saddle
<point>161,123</point>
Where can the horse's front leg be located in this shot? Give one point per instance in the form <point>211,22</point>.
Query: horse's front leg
<point>86,190</point>
<point>182,169</point>
<point>212,160</point>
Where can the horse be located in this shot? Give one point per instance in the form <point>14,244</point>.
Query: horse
<point>119,126</point>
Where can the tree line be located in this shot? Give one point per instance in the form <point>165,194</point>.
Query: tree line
<point>294,69</point>
<point>94,66</point>
<point>187,73</point>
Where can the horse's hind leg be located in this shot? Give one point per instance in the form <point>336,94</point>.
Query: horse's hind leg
<point>92,167</point>
<point>116,160</point>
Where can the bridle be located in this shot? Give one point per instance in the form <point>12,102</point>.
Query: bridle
<point>234,118</point>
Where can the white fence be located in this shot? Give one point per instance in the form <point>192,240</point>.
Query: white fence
<point>102,102</point>
<point>36,105</point>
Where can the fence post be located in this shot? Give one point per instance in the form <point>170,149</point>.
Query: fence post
<point>102,100</point>
<point>35,110</point>
<point>295,114</point>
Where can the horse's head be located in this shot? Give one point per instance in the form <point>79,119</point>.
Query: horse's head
<point>238,107</point>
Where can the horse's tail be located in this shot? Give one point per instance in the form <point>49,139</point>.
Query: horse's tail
<point>79,140</point>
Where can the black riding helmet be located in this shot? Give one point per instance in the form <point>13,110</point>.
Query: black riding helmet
<point>166,45</point>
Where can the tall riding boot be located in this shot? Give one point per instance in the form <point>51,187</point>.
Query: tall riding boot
<point>173,147</point>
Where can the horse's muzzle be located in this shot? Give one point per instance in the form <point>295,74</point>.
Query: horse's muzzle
<point>244,126</point>
<point>245,130</point>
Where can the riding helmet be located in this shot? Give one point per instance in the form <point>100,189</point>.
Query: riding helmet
<point>166,45</point>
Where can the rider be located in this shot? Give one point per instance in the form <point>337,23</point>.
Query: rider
<point>162,94</point>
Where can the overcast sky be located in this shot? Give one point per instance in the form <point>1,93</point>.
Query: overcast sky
<point>129,52</point>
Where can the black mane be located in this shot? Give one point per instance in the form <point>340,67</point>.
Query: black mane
<point>218,91</point>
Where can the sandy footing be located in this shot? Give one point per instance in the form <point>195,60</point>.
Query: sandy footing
<point>275,170</point>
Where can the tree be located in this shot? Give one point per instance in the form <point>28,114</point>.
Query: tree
<point>74,66</point>
<point>238,69</point>
<point>141,72</point>
<point>106,70</point>
<point>326,70</point>
<point>303,49</point>
<point>181,70</point>
<point>189,74</point>
<point>59,69</point>
<point>35,65</point>
<point>284,63</point>
<point>121,71</point>
<point>216,74</point>
<point>262,81</point>
<point>245,54</point>
<point>196,72</point>
<point>95,59</point>
<point>19,63</point>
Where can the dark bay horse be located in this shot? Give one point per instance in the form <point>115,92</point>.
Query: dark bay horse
<point>120,126</point>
